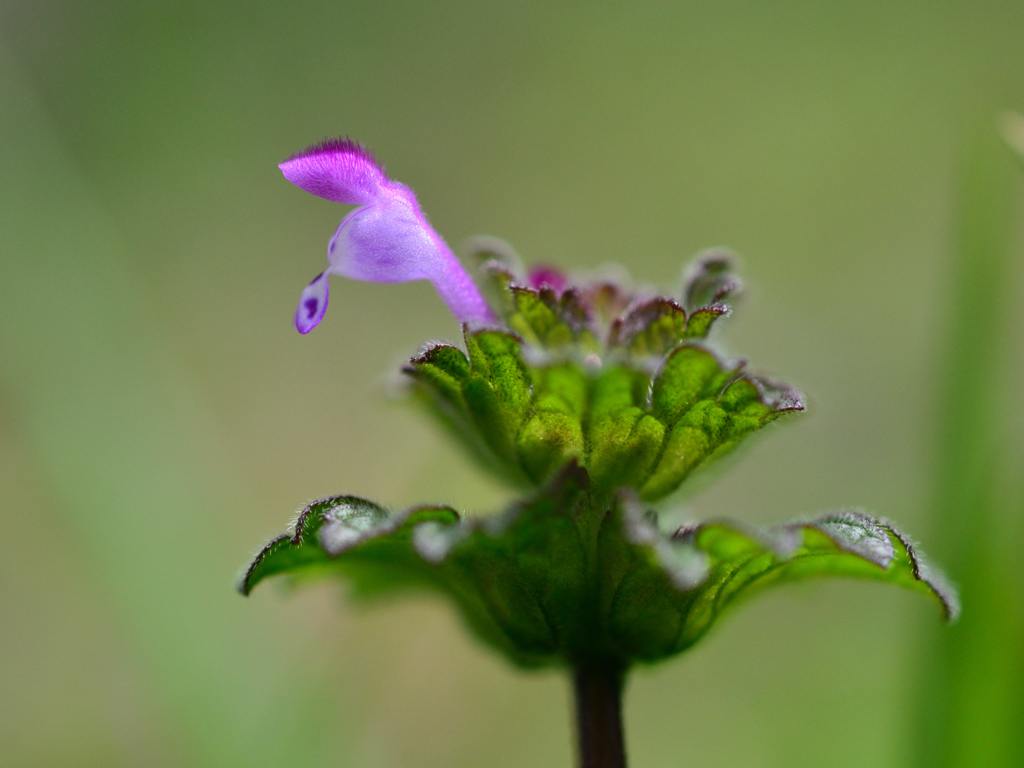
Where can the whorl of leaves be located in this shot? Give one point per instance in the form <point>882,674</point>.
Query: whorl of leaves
<point>564,576</point>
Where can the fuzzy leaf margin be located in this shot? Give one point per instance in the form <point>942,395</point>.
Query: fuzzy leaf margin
<point>744,561</point>
<point>663,592</point>
<point>376,542</point>
<point>516,577</point>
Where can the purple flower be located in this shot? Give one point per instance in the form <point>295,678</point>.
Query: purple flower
<point>387,239</point>
<point>543,276</point>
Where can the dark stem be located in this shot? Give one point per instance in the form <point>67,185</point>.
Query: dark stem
<point>598,686</point>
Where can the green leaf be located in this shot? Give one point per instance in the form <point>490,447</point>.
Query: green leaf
<point>623,440</point>
<point>575,572</point>
<point>847,544</point>
<point>445,369</point>
<point>654,327</point>
<point>699,323</point>
<point>707,409</point>
<point>526,421</point>
<point>710,281</point>
<point>657,612</point>
<point>690,374</point>
<point>335,533</point>
<point>545,320</point>
<point>624,446</point>
<point>659,325</point>
<point>497,391</point>
<point>563,387</point>
<point>439,378</point>
<point>525,405</point>
<point>618,387</point>
<point>518,578</point>
<point>536,318</point>
<point>548,441</point>
<point>525,573</point>
<point>497,266</point>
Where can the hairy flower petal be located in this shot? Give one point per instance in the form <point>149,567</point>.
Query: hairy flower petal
<point>385,240</point>
<point>339,170</point>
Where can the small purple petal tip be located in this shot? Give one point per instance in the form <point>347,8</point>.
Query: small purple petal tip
<point>542,276</point>
<point>312,304</point>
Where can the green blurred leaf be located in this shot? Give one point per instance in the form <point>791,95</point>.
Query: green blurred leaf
<point>699,323</point>
<point>971,678</point>
<point>710,281</point>
<point>1011,128</point>
<point>657,326</point>
<point>497,267</point>
<point>654,327</point>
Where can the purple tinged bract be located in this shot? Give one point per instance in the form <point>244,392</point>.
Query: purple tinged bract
<point>387,239</point>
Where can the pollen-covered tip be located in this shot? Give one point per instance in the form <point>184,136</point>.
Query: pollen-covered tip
<point>312,304</point>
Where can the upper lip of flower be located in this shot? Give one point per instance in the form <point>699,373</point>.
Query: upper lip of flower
<point>386,239</point>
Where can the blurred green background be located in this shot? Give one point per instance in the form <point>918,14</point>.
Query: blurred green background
<point>160,417</point>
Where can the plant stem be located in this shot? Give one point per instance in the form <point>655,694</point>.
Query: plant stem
<point>598,686</point>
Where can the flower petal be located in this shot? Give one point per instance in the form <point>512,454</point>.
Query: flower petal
<point>391,242</point>
<point>543,276</point>
<point>383,243</point>
<point>386,240</point>
<point>337,169</point>
<point>312,304</point>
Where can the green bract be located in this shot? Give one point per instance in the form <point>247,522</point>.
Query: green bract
<point>600,400</point>
<point>621,383</point>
